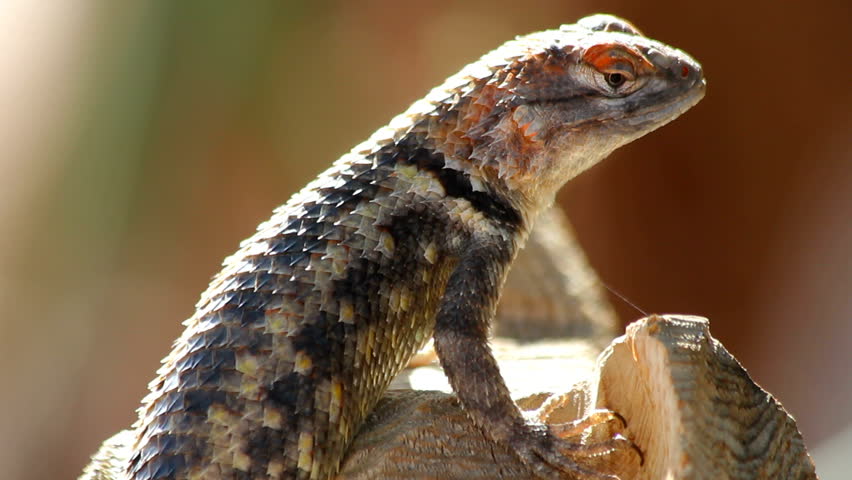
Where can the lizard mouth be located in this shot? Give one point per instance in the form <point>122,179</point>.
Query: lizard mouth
<point>660,113</point>
<point>651,111</point>
<point>631,112</point>
<point>641,114</point>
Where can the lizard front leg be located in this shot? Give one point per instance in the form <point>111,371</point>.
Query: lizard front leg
<point>461,342</point>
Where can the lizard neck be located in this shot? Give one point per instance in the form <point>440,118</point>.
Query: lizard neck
<point>492,143</point>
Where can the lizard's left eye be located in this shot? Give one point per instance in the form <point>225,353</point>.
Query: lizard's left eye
<point>617,70</point>
<point>616,82</point>
<point>615,79</point>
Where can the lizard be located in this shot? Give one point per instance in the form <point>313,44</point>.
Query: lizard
<point>407,237</point>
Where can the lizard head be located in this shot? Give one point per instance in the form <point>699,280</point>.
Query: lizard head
<point>586,90</point>
<point>539,110</point>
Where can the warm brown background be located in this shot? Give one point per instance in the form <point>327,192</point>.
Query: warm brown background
<point>140,142</point>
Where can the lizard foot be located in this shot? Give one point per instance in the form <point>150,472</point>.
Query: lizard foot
<point>594,419</point>
<point>551,456</point>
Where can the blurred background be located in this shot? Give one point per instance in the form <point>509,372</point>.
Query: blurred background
<point>141,141</point>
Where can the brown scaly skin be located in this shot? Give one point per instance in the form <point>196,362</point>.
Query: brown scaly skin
<point>408,236</point>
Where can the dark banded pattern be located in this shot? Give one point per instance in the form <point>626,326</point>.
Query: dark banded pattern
<point>457,184</point>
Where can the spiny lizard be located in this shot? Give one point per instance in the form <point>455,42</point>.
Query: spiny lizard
<point>409,236</point>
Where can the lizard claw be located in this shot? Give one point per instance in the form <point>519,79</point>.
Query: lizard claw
<point>596,418</point>
<point>550,453</point>
<point>551,457</point>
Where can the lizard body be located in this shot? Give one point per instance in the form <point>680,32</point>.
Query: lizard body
<point>408,236</point>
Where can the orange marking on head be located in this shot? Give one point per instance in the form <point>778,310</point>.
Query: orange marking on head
<point>606,55</point>
<point>523,128</point>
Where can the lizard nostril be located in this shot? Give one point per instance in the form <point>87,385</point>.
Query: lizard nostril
<point>684,71</point>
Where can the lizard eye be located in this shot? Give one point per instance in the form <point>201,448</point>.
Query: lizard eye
<point>615,79</point>
<point>616,70</point>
